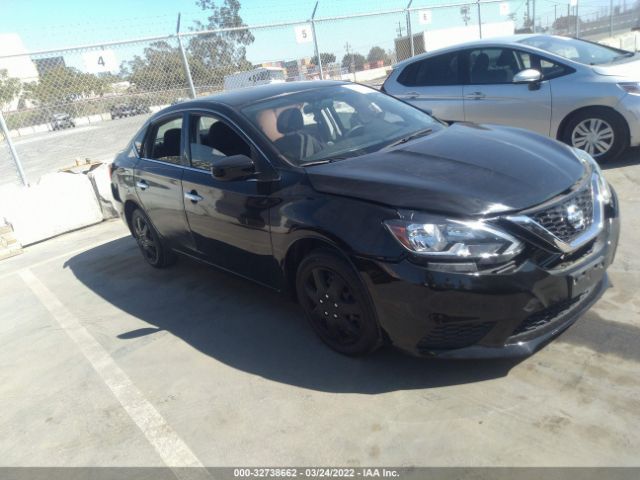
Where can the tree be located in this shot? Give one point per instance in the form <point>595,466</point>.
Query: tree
<point>326,58</point>
<point>358,61</point>
<point>9,88</point>
<point>227,48</point>
<point>377,54</point>
<point>565,24</point>
<point>159,68</point>
<point>211,56</point>
<point>64,84</point>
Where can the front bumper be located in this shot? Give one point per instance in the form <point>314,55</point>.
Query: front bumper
<point>507,314</point>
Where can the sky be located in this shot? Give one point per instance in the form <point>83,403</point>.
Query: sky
<point>44,24</point>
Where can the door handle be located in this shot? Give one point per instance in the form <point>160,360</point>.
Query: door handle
<point>475,96</point>
<point>193,196</point>
<point>412,94</point>
<point>142,185</point>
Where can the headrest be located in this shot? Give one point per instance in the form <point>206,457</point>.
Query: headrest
<point>290,121</point>
<point>172,136</point>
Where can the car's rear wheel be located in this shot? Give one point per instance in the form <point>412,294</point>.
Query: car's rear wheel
<point>598,131</point>
<point>154,252</point>
<point>336,304</point>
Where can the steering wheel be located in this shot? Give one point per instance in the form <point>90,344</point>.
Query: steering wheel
<point>355,131</point>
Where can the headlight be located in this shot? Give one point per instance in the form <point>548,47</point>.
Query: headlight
<point>456,240</point>
<point>586,159</point>
<point>632,88</point>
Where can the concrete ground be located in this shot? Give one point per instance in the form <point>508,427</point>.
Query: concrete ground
<point>48,152</point>
<point>106,361</point>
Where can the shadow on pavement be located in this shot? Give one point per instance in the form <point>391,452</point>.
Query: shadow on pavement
<point>252,328</point>
<point>630,157</point>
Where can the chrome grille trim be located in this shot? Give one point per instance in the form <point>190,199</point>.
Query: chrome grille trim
<point>528,222</point>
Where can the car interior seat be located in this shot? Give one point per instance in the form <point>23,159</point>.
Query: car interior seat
<point>170,144</point>
<point>296,144</point>
<point>224,139</point>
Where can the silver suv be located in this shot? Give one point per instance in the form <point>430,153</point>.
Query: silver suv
<point>583,93</point>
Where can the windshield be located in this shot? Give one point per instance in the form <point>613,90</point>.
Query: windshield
<point>577,50</point>
<point>336,122</point>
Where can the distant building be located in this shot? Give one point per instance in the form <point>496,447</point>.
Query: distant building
<point>20,67</point>
<point>43,65</point>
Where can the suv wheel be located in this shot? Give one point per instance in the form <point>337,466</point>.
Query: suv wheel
<point>336,304</point>
<point>153,251</point>
<point>600,132</point>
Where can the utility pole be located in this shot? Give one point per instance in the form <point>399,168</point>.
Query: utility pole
<point>409,27</point>
<point>611,18</point>
<point>533,19</point>
<point>399,29</point>
<point>347,47</point>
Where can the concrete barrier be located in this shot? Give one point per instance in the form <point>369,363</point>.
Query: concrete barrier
<point>58,203</point>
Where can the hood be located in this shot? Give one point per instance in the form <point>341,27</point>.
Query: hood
<point>462,170</point>
<point>629,69</point>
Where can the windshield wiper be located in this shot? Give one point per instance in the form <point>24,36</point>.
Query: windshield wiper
<point>323,161</point>
<point>414,135</point>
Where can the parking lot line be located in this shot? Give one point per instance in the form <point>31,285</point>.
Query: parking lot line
<point>173,451</point>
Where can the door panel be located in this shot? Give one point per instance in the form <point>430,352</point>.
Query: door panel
<point>434,84</point>
<point>445,102</point>
<point>159,190</point>
<point>512,105</point>
<point>490,96</point>
<point>229,222</point>
<point>157,179</point>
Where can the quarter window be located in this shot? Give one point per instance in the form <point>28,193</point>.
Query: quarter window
<point>437,71</point>
<point>548,68</point>
<point>166,142</point>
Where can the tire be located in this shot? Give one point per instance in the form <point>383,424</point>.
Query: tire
<point>606,128</point>
<point>153,250</point>
<point>336,304</point>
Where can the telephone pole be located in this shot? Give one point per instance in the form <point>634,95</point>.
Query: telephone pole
<point>347,47</point>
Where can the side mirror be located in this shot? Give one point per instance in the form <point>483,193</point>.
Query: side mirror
<point>234,167</point>
<point>530,76</point>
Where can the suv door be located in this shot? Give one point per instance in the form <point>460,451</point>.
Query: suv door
<point>157,178</point>
<point>491,96</point>
<point>432,84</point>
<point>229,220</point>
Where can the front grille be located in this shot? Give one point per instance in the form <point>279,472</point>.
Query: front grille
<point>543,317</point>
<point>558,220</point>
<point>454,335</point>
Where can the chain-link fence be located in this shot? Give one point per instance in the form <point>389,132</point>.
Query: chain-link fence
<point>83,103</point>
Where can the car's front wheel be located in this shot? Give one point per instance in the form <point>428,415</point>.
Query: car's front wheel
<point>154,252</point>
<point>598,131</point>
<point>336,304</point>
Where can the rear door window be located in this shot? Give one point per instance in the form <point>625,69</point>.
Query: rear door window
<point>441,70</point>
<point>165,144</point>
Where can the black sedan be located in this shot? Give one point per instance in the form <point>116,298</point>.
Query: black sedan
<point>387,225</point>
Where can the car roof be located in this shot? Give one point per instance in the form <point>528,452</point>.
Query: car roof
<point>245,96</point>
<point>508,40</point>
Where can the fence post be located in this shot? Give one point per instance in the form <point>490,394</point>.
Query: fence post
<point>409,33</point>
<point>611,18</point>
<point>577,20</point>
<point>185,62</point>
<point>12,149</point>
<point>315,41</point>
<point>479,18</point>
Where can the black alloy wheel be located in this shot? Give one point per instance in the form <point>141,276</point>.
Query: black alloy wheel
<point>336,304</point>
<point>156,254</point>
